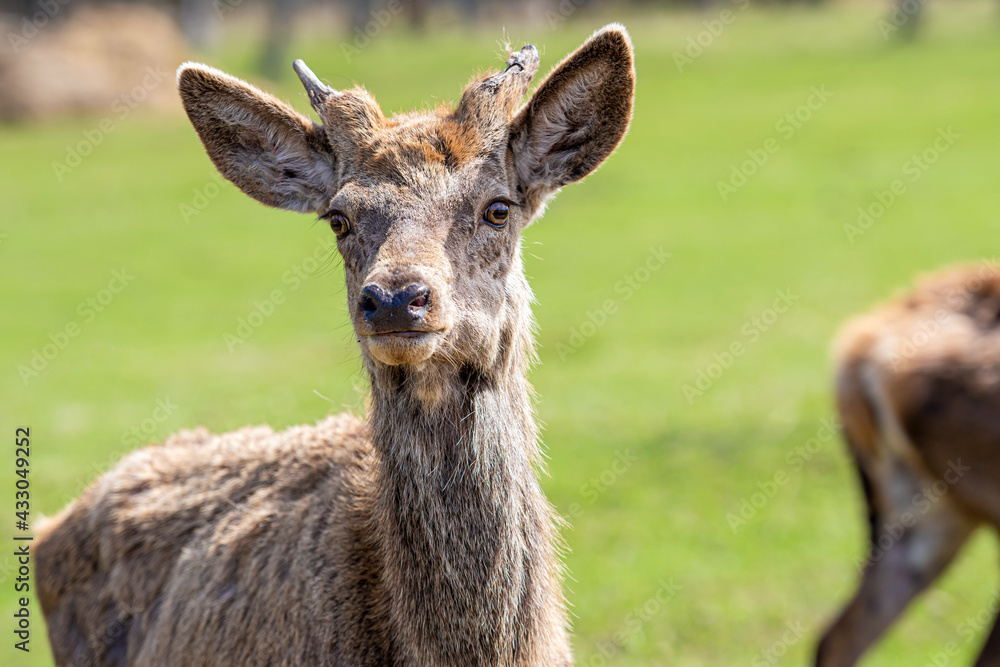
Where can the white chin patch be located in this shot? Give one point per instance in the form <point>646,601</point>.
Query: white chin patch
<point>398,351</point>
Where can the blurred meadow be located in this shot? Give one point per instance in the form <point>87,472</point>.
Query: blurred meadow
<point>713,516</point>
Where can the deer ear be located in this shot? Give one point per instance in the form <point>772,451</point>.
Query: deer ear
<point>269,150</point>
<point>577,117</point>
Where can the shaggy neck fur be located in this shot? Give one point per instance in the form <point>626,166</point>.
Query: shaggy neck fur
<point>465,539</point>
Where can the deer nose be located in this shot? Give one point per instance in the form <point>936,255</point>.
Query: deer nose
<point>397,312</point>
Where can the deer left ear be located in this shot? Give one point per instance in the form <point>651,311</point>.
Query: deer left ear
<point>576,118</point>
<point>270,151</point>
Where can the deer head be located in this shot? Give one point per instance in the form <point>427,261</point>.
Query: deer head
<point>428,208</point>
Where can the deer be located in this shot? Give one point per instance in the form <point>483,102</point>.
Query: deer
<point>419,534</point>
<point>918,394</point>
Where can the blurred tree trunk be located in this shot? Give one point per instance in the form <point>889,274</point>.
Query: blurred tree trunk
<point>199,22</point>
<point>907,16</point>
<point>470,9</point>
<point>417,10</point>
<point>360,13</point>
<point>281,20</point>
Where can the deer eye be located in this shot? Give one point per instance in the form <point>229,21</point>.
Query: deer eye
<point>497,213</point>
<point>339,223</point>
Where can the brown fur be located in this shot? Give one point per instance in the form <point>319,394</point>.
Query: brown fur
<point>918,391</point>
<point>419,536</point>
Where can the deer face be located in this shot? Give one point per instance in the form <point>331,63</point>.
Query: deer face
<point>428,208</point>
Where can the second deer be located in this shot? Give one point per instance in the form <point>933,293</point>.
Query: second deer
<point>918,391</point>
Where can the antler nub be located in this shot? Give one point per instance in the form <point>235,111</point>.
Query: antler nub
<point>526,63</point>
<point>317,90</point>
<point>526,58</point>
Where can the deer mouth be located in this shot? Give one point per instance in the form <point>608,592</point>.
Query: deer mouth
<point>395,348</point>
<point>413,334</point>
<point>404,334</point>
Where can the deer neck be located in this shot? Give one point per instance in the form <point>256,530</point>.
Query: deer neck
<point>464,533</point>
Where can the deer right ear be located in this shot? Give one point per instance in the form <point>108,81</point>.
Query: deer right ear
<point>270,151</point>
<point>577,117</point>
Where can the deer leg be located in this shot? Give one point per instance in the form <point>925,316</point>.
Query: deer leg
<point>915,535</point>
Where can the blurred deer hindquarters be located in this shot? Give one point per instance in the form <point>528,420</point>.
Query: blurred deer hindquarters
<point>419,536</point>
<point>918,390</point>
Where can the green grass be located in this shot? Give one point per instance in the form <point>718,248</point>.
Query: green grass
<point>662,519</point>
